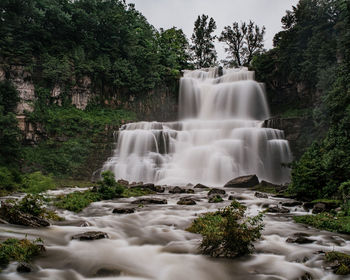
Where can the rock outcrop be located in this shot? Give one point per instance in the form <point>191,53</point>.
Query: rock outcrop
<point>243,182</point>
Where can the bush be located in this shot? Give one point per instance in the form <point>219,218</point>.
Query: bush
<point>37,182</point>
<point>9,180</point>
<point>18,250</point>
<point>108,187</point>
<point>228,232</point>
<point>76,201</point>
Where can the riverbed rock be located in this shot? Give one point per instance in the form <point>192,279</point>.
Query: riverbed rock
<point>123,210</point>
<point>215,199</point>
<point>191,191</point>
<point>276,209</point>
<point>150,200</point>
<point>308,205</point>
<point>235,197</point>
<point>261,195</point>
<point>177,190</point>
<point>14,216</point>
<point>300,238</point>
<point>200,186</point>
<point>24,267</point>
<point>85,224</point>
<point>243,182</point>
<point>151,187</point>
<point>291,203</point>
<point>186,201</point>
<point>216,191</point>
<point>90,235</point>
<point>319,208</point>
<point>123,182</point>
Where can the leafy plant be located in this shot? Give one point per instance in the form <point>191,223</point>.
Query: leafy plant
<point>228,232</point>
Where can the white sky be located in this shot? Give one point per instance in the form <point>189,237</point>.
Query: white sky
<point>183,13</point>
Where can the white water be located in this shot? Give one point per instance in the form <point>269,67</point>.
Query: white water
<point>219,136</point>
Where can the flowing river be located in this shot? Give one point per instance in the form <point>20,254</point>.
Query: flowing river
<point>219,137</point>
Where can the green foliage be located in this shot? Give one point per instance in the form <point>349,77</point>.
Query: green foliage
<point>63,41</point>
<point>243,43</point>
<point>8,97</point>
<point>31,204</point>
<point>76,201</point>
<point>9,180</point>
<point>326,221</point>
<point>203,42</point>
<point>73,135</point>
<point>37,182</point>
<point>228,232</point>
<point>133,192</point>
<point>108,187</point>
<point>342,259</point>
<point>18,250</point>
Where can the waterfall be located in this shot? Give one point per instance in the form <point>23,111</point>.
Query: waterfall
<point>219,136</point>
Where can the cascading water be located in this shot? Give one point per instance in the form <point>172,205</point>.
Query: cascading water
<point>219,136</point>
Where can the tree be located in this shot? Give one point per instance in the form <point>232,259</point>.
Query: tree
<point>202,39</point>
<point>243,42</point>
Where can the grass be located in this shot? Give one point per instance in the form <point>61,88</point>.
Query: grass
<point>343,260</point>
<point>326,221</point>
<point>18,250</point>
<point>296,112</point>
<point>272,189</point>
<point>328,201</point>
<point>76,201</point>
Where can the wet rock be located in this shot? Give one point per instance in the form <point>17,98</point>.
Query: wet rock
<point>24,267</point>
<point>300,238</point>
<point>291,203</point>
<point>233,197</point>
<point>85,224</point>
<point>243,182</point>
<point>308,205</point>
<point>90,235</point>
<point>150,201</point>
<point>151,187</point>
<point>189,191</point>
<point>177,190</point>
<point>189,185</point>
<point>215,199</point>
<point>261,195</point>
<point>186,201</point>
<point>200,186</point>
<point>123,182</point>
<point>14,216</point>
<point>276,209</point>
<point>216,191</point>
<point>319,208</point>
<point>265,205</point>
<point>306,276</point>
<point>105,272</point>
<point>123,210</point>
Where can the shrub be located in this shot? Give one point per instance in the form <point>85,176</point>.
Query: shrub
<point>228,232</point>
<point>18,250</point>
<point>108,187</point>
<point>9,179</point>
<point>31,204</point>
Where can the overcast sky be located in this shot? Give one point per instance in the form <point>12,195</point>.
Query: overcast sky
<point>183,13</point>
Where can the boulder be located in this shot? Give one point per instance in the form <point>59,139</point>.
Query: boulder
<point>243,182</point>
<point>177,190</point>
<point>123,182</point>
<point>215,199</point>
<point>261,195</point>
<point>319,208</point>
<point>12,215</point>
<point>291,203</point>
<point>191,191</point>
<point>90,235</point>
<point>308,205</point>
<point>200,186</point>
<point>276,209</point>
<point>216,191</point>
<point>24,267</point>
<point>186,201</point>
<point>123,210</point>
<point>300,238</point>
<point>151,187</point>
<point>233,197</point>
<point>150,201</point>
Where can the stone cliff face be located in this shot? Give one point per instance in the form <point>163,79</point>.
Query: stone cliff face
<point>300,132</point>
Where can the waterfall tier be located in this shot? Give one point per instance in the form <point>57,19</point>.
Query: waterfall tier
<point>219,136</point>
